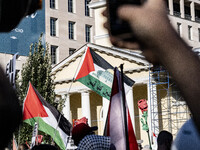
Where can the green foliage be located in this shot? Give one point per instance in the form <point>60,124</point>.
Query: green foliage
<point>36,70</point>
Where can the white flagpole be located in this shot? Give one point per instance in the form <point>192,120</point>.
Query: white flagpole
<point>69,91</point>
<point>34,135</point>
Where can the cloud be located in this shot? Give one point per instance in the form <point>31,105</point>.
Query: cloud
<point>13,37</point>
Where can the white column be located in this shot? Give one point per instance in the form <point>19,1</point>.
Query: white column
<point>192,9</point>
<point>85,103</point>
<point>66,109</point>
<point>106,104</point>
<point>182,9</point>
<point>130,103</point>
<point>171,8</point>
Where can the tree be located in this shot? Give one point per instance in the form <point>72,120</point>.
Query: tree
<point>36,70</point>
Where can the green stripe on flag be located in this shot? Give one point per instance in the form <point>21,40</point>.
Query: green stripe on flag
<point>46,128</point>
<point>96,85</point>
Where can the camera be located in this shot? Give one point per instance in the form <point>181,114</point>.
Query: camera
<point>12,11</point>
<point>118,27</point>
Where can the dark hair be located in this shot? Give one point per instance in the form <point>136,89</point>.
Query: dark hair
<point>44,147</point>
<point>80,131</point>
<point>164,140</point>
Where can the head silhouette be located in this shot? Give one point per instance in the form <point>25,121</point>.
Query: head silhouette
<point>164,140</point>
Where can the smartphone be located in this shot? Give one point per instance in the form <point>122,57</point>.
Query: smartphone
<point>118,27</point>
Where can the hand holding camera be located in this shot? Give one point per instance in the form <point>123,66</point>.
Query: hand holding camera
<point>147,22</point>
<point>117,26</point>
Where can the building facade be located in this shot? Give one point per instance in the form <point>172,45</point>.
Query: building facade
<point>69,25</point>
<point>184,15</point>
<point>65,25</point>
<point>80,101</point>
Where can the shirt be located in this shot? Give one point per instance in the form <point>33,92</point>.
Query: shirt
<point>187,138</point>
<point>94,142</point>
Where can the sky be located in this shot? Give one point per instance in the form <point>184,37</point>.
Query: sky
<point>27,32</point>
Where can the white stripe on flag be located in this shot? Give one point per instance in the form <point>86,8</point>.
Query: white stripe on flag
<point>51,120</point>
<point>116,129</point>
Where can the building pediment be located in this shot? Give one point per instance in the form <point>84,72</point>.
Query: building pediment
<point>135,66</point>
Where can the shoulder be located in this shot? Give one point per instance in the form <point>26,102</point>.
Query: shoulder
<point>187,137</point>
<point>95,142</point>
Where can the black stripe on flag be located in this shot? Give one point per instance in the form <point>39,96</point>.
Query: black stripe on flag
<point>98,60</point>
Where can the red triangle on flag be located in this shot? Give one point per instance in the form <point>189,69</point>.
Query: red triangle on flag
<point>131,135</point>
<point>87,66</point>
<point>32,105</point>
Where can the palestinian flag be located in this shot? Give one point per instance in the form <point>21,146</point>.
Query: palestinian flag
<point>97,74</point>
<point>50,120</point>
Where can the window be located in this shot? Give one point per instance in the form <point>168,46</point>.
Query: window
<point>88,33</point>
<point>176,7</point>
<point>197,15</point>
<point>53,26</point>
<point>190,32</point>
<point>71,51</point>
<point>187,12</point>
<point>52,4</point>
<point>87,10</point>
<point>70,6</point>
<point>167,3</point>
<point>53,54</point>
<point>179,28</point>
<point>71,30</point>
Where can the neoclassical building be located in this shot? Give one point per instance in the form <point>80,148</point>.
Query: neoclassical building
<point>80,101</point>
<point>166,108</point>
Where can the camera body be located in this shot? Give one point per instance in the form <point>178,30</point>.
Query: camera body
<point>118,27</point>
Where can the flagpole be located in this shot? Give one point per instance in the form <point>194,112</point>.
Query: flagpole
<point>69,91</point>
<point>37,129</point>
<point>124,108</point>
<point>56,127</point>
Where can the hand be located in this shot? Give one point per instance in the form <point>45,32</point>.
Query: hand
<point>149,23</point>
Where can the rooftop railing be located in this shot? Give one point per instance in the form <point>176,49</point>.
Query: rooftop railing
<point>188,17</point>
<point>197,19</point>
<point>177,14</point>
